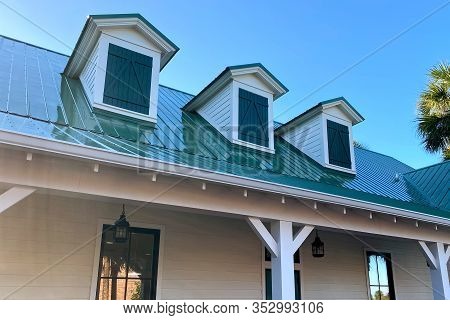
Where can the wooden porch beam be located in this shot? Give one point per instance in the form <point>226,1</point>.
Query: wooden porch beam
<point>300,237</point>
<point>13,196</point>
<point>264,235</point>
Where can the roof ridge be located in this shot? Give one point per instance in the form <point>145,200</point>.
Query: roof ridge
<point>429,166</point>
<point>34,45</point>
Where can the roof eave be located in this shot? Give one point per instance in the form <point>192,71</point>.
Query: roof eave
<point>409,210</point>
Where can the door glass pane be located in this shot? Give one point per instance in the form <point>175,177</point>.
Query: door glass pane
<point>382,270</point>
<point>111,289</point>
<point>374,293</point>
<point>141,255</point>
<point>373,272</point>
<point>114,256</point>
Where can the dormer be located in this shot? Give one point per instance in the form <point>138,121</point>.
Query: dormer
<point>324,133</point>
<point>238,103</point>
<point>118,59</point>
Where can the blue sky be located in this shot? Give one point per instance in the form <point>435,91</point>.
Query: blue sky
<point>305,44</point>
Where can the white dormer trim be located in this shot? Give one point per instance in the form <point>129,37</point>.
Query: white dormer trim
<point>308,132</point>
<point>218,103</point>
<point>90,57</point>
<point>96,25</point>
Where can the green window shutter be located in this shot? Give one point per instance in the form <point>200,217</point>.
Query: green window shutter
<point>338,145</point>
<point>253,118</point>
<point>128,79</point>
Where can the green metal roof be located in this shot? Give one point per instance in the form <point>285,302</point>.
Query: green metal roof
<point>36,99</point>
<point>434,183</point>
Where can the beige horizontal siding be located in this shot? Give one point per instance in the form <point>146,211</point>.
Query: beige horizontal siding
<point>341,274</point>
<point>204,256</point>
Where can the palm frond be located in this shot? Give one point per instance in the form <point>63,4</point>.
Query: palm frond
<point>434,111</point>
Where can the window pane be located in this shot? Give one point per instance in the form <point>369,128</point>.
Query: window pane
<point>373,272</point>
<point>111,289</point>
<point>135,290</point>
<point>114,256</point>
<point>379,293</point>
<point>382,271</point>
<point>374,293</point>
<point>380,276</point>
<point>141,255</point>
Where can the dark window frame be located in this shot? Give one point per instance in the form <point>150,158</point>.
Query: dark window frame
<point>154,274</point>
<point>390,275</point>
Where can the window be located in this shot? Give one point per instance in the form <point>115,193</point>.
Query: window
<point>268,275</point>
<point>253,118</point>
<point>381,284</point>
<point>338,145</point>
<point>128,80</point>
<point>128,271</point>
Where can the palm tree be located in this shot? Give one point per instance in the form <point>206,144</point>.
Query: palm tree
<point>434,111</point>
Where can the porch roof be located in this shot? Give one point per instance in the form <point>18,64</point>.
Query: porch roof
<point>37,100</point>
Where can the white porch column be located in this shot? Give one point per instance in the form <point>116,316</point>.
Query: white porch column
<point>282,246</point>
<point>13,196</point>
<point>283,266</point>
<point>438,256</point>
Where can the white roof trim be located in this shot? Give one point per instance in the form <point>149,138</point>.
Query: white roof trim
<point>227,76</point>
<point>120,159</point>
<point>354,117</point>
<point>95,26</point>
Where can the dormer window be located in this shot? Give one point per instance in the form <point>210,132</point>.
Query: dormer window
<point>238,103</point>
<point>253,118</point>
<point>324,133</point>
<point>118,59</point>
<point>128,80</point>
<point>338,145</point>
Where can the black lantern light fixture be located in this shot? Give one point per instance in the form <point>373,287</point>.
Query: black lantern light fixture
<point>121,228</point>
<point>318,250</point>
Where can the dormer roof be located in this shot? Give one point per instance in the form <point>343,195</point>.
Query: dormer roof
<point>340,103</point>
<point>278,89</point>
<point>96,24</point>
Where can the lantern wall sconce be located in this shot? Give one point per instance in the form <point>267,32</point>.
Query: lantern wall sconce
<point>121,228</point>
<point>318,250</point>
